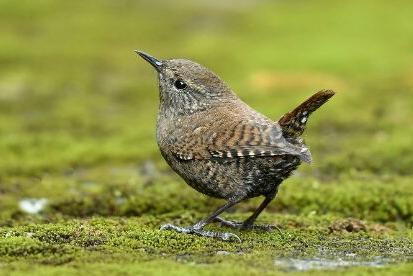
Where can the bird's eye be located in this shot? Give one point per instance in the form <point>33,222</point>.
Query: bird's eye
<point>180,84</point>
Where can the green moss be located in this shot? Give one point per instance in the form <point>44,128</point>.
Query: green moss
<point>117,243</point>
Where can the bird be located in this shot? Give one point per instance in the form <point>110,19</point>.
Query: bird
<point>222,147</point>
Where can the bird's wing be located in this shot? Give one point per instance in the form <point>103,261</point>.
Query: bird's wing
<point>261,140</point>
<point>236,139</point>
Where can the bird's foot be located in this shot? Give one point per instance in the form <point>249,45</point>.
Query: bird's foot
<point>225,236</point>
<point>246,226</point>
<point>228,223</point>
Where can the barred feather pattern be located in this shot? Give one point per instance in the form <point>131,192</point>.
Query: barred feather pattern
<point>293,123</point>
<point>230,177</point>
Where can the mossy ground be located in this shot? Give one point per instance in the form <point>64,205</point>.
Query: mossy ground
<point>77,119</point>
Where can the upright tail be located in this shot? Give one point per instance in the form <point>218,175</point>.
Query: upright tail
<point>293,123</point>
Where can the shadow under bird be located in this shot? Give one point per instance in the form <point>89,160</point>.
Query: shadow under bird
<point>222,147</point>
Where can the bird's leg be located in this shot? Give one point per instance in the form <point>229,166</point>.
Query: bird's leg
<point>248,224</point>
<point>198,227</point>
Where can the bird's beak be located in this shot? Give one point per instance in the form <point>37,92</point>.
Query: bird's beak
<point>153,61</point>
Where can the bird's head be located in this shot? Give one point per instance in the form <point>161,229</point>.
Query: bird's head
<point>187,87</point>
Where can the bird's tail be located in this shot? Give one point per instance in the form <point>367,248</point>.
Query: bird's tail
<point>293,123</point>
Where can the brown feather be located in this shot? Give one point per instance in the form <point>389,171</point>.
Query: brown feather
<point>293,123</point>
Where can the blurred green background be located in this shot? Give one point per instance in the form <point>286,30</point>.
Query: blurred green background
<point>78,108</point>
<point>73,93</point>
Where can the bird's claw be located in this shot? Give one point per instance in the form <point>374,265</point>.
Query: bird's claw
<point>225,236</point>
<point>228,223</point>
<point>168,226</point>
<point>246,226</point>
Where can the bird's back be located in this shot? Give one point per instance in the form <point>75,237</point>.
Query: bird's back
<point>228,130</point>
<point>228,150</point>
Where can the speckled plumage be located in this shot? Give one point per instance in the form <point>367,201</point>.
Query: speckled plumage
<point>219,145</point>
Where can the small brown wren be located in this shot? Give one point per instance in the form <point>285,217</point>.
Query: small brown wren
<point>222,147</point>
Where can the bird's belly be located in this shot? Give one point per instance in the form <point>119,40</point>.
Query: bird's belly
<point>228,177</point>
